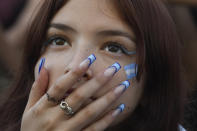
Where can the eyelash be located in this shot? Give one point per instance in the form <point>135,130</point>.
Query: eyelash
<point>112,43</point>
<point>55,37</point>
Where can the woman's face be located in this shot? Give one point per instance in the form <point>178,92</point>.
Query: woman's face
<point>83,27</point>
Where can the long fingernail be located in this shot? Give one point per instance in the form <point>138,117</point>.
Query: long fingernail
<point>112,69</point>
<point>122,87</point>
<point>118,110</point>
<point>42,61</point>
<point>88,61</point>
<point>131,70</point>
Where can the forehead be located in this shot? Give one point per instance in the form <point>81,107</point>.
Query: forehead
<point>94,14</point>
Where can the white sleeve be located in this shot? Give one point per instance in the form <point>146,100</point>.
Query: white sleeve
<point>181,128</point>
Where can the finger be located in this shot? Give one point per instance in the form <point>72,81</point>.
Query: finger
<point>82,94</point>
<point>106,121</point>
<point>65,82</point>
<point>40,85</point>
<point>92,111</point>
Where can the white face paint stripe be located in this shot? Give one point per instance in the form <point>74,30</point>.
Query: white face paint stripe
<point>131,70</point>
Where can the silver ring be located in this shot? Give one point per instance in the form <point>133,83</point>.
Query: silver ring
<point>52,99</point>
<point>66,108</point>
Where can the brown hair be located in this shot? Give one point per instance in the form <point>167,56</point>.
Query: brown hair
<point>158,59</point>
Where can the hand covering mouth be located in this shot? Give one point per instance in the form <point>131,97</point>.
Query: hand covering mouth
<point>75,86</point>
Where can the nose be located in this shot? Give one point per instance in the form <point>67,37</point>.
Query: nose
<point>86,76</point>
<point>76,62</point>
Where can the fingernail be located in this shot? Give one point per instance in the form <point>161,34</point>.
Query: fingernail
<point>122,87</point>
<point>88,61</point>
<point>112,69</point>
<point>118,110</point>
<point>131,70</point>
<point>42,61</point>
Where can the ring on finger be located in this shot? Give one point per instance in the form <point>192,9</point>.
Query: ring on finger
<point>52,99</point>
<point>66,108</point>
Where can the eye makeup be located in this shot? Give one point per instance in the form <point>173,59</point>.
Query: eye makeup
<point>120,46</point>
<point>54,37</point>
<point>129,52</point>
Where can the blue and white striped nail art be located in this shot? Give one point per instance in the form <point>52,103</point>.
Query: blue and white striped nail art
<point>130,70</point>
<point>121,107</point>
<point>117,66</point>
<point>126,84</point>
<point>92,58</point>
<point>42,61</point>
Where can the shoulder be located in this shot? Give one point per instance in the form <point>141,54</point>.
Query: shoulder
<point>181,128</point>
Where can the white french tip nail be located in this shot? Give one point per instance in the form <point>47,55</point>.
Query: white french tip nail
<point>118,110</point>
<point>112,69</point>
<point>87,62</point>
<point>92,58</point>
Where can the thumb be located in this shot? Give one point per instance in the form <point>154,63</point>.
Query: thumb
<point>39,87</point>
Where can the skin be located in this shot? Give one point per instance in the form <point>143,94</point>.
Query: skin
<point>13,38</point>
<point>87,18</point>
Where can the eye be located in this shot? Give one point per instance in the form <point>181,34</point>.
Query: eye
<point>114,47</point>
<point>57,41</point>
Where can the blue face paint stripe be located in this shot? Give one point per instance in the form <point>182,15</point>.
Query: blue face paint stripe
<point>130,70</point>
<point>131,66</point>
<point>131,76</point>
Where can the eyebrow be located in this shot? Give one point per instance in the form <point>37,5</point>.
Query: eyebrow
<point>115,33</point>
<point>64,27</point>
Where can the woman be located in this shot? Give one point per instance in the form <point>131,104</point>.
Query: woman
<point>74,90</point>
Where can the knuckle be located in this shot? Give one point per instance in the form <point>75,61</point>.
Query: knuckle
<point>48,123</point>
<point>106,122</point>
<point>36,111</point>
<point>58,87</point>
<point>100,80</point>
<point>91,129</point>
<point>34,85</point>
<point>66,129</point>
<point>110,97</point>
<point>88,113</point>
<point>76,72</point>
<point>78,97</point>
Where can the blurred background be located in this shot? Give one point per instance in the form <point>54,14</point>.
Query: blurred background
<point>184,13</point>
<point>16,15</point>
